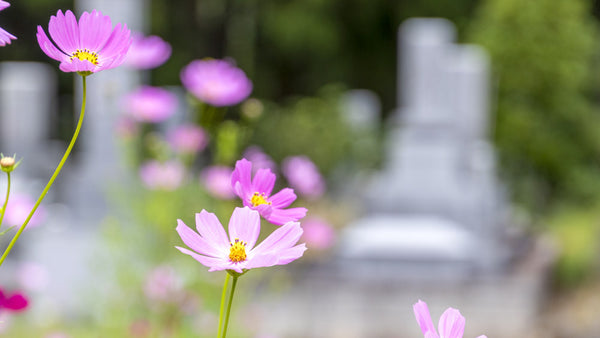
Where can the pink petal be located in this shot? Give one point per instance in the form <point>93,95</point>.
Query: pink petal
<point>288,255</point>
<point>245,225</point>
<point>263,182</point>
<point>214,264</point>
<point>3,4</point>
<point>282,216</point>
<point>241,178</point>
<point>452,324</point>
<point>77,65</point>
<point>48,47</point>
<point>116,46</point>
<point>281,239</point>
<point>265,210</point>
<point>262,260</point>
<point>5,37</point>
<point>15,302</point>
<point>195,242</point>
<point>64,31</point>
<point>423,317</point>
<point>283,198</point>
<point>431,334</point>
<point>94,30</point>
<point>210,228</point>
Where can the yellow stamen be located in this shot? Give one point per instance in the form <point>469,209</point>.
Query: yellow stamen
<point>237,252</point>
<point>85,55</point>
<point>258,199</point>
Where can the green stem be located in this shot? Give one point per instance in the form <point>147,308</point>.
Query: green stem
<point>235,278</point>
<point>5,200</point>
<point>51,181</point>
<point>222,307</point>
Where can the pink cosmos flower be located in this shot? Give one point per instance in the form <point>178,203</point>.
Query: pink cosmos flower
<point>212,248</point>
<point>5,36</point>
<point>259,159</point>
<point>162,176</point>
<point>256,194</point>
<point>216,82</point>
<point>188,139</point>
<point>14,302</point>
<point>86,47</point>
<point>18,208</point>
<point>451,325</point>
<point>318,233</point>
<point>303,175</point>
<point>217,180</point>
<point>150,104</point>
<point>147,52</point>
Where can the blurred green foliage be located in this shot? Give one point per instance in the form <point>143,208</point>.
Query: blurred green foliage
<point>543,53</point>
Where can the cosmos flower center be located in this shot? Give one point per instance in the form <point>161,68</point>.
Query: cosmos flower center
<point>85,54</point>
<point>237,251</point>
<point>259,199</point>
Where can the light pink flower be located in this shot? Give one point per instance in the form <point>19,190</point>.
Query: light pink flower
<point>256,194</point>
<point>5,36</point>
<point>259,159</point>
<point>303,175</point>
<point>451,325</point>
<point>163,284</point>
<point>217,180</point>
<point>213,248</point>
<point>150,104</point>
<point>318,233</point>
<point>86,47</point>
<point>32,276</point>
<point>216,82</point>
<point>162,176</point>
<point>18,208</point>
<point>188,139</point>
<point>147,52</point>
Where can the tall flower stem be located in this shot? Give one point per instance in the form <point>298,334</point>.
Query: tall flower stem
<point>6,199</point>
<point>235,278</point>
<point>222,307</point>
<point>51,181</point>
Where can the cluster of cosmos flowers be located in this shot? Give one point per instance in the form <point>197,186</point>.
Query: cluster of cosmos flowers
<point>91,44</point>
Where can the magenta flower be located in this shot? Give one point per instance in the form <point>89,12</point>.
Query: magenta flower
<point>216,82</point>
<point>86,47</point>
<point>150,104</point>
<point>303,175</point>
<point>217,180</point>
<point>14,302</point>
<point>147,52</point>
<point>318,233</point>
<point>256,194</point>
<point>162,176</point>
<point>18,208</point>
<point>451,325</point>
<point>188,139</point>
<point>212,248</point>
<point>5,36</point>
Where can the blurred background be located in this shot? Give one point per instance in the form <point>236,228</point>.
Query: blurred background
<point>328,91</point>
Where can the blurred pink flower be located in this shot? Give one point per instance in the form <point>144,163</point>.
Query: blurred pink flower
<point>86,47</point>
<point>162,176</point>
<point>126,127</point>
<point>451,325</point>
<point>259,159</point>
<point>32,276</point>
<point>303,175</point>
<point>5,36</point>
<point>147,52</point>
<point>256,194</point>
<point>318,233</point>
<point>163,284</point>
<point>216,82</point>
<point>18,208</point>
<point>188,139</point>
<point>217,180</point>
<point>150,104</point>
<point>213,248</point>
<point>14,302</point>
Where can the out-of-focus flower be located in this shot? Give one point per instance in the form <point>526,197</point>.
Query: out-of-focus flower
<point>187,139</point>
<point>18,208</point>
<point>5,36</point>
<point>216,82</point>
<point>86,47</point>
<point>14,302</point>
<point>32,276</point>
<point>147,52</point>
<point>212,248</point>
<point>451,325</point>
<point>126,127</point>
<point>318,233</point>
<point>259,159</point>
<point>303,175</point>
<point>163,284</point>
<point>256,194</point>
<point>150,104</point>
<point>162,176</point>
<point>217,180</point>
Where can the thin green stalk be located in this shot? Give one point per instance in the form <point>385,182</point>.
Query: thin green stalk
<point>235,278</point>
<point>222,307</point>
<point>6,199</point>
<point>51,181</point>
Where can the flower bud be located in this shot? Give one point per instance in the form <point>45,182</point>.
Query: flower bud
<point>8,163</point>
